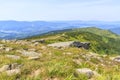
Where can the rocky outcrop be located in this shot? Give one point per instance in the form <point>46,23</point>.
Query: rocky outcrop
<point>61,44</point>
<point>11,69</point>
<point>77,44</point>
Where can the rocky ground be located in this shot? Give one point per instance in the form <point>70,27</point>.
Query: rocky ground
<point>35,60</point>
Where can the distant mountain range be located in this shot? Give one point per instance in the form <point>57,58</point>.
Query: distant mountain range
<point>22,29</point>
<point>116,30</point>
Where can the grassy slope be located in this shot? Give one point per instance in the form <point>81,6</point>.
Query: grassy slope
<point>59,66</point>
<point>102,41</point>
<point>100,32</point>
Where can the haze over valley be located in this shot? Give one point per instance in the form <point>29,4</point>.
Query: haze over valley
<point>21,29</point>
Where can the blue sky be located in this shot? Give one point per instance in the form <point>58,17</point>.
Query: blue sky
<point>30,10</point>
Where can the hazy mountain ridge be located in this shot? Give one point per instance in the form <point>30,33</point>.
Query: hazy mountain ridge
<point>116,30</point>
<point>22,29</point>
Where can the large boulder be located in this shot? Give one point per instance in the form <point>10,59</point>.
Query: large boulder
<point>61,44</point>
<point>77,44</point>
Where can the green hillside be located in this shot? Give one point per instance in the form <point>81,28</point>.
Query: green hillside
<point>100,32</point>
<point>102,41</point>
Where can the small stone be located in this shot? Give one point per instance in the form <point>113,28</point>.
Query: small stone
<point>117,59</point>
<point>34,58</point>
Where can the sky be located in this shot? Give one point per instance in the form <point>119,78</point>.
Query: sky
<point>54,10</point>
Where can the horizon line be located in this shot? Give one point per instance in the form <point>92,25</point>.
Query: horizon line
<point>59,20</point>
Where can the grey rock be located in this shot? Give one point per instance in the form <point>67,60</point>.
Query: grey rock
<point>89,73</point>
<point>61,44</point>
<point>10,67</point>
<point>30,53</point>
<point>117,59</point>
<point>13,57</point>
<point>78,44</point>
<point>13,72</point>
<point>14,66</point>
